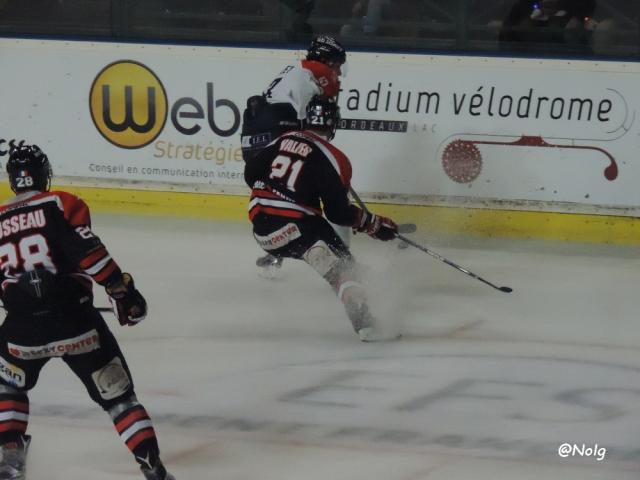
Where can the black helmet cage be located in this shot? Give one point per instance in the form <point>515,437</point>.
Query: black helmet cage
<point>323,114</point>
<point>327,49</point>
<point>28,169</point>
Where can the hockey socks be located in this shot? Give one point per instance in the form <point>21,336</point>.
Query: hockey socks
<point>14,416</point>
<point>136,430</point>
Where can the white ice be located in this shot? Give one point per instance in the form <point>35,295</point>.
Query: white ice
<point>248,378</point>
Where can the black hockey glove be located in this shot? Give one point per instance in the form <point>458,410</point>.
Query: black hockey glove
<point>376,226</point>
<point>128,303</point>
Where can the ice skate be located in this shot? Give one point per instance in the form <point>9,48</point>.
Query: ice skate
<point>364,324</point>
<point>269,266</point>
<point>158,472</point>
<point>14,459</point>
<point>369,334</point>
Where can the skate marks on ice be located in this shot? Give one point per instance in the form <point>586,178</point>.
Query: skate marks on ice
<point>416,296</point>
<point>563,292</point>
<point>481,386</point>
<point>68,447</point>
<point>396,404</point>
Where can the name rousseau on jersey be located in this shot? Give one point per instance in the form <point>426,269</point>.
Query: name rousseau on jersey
<point>22,221</point>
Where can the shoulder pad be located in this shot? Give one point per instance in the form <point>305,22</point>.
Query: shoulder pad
<point>75,210</point>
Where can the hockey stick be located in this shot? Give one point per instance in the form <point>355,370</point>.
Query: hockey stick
<point>407,228</point>
<point>100,309</point>
<point>450,263</point>
<point>434,254</point>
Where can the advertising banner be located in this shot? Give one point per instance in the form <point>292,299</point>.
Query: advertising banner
<point>415,127</point>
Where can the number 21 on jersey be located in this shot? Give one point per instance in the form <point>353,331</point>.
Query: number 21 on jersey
<point>284,167</point>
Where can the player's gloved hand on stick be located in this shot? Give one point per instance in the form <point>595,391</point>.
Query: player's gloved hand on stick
<point>377,226</point>
<point>128,303</point>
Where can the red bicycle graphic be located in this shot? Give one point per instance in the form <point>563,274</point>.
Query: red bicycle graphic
<point>462,160</point>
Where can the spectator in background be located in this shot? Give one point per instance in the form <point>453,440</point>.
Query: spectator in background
<point>369,16</point>
<point>32,10</point>
<point>299,11</point>
<point>604,29</point>
<point>403,18</point>
<point>548,21</point>
<point>365,17</point>
<point>238,7</point>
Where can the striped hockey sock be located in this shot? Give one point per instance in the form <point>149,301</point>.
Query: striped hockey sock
<point>14,416</point>
<point>136,430</point>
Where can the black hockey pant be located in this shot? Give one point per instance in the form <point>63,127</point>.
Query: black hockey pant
<point>82,339</point>
<point>314,240</point>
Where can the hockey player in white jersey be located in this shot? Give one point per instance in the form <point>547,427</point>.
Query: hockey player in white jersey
<point>283,104</point>
<point>282,107</point>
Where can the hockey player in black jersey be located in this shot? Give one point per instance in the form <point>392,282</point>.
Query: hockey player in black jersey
<point>49,258</point>
<point>282,107</point>
<point>294,180</point>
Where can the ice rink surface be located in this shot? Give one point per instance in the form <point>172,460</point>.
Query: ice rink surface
<point>251,379</point>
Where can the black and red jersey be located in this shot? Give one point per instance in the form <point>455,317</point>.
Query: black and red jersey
<point>301,174</point>
<point>52,231</point>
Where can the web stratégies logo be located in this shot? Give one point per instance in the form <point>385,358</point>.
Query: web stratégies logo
<point>130,107</point>
<point>128,104</point>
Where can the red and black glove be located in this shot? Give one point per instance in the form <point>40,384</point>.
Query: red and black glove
<point>376,226</point>
<point>128,303</point>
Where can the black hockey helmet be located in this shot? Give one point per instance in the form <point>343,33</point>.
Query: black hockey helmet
<point>327,50</point>
<point>323,114</point>
<point>28,169</point>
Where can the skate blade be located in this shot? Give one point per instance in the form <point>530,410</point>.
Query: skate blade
<point>270,272</point>
<point>368,335</point>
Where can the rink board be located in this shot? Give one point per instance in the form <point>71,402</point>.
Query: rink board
<point>489,223</point>
<point>494,147</point>
<point>415,127</point>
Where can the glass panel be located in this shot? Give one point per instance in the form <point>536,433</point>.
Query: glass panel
<point>56,17</point>
<point>566,28</point>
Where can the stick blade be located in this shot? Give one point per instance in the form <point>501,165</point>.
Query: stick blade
<point>506,289</point>
<point>407,228</point>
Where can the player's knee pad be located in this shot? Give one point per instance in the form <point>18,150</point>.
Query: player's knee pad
<point>322,258</point>
<point>112,383</point>
<point>340,272</point>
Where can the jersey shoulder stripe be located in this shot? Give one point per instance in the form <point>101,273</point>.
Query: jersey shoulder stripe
<point>74,209</point>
